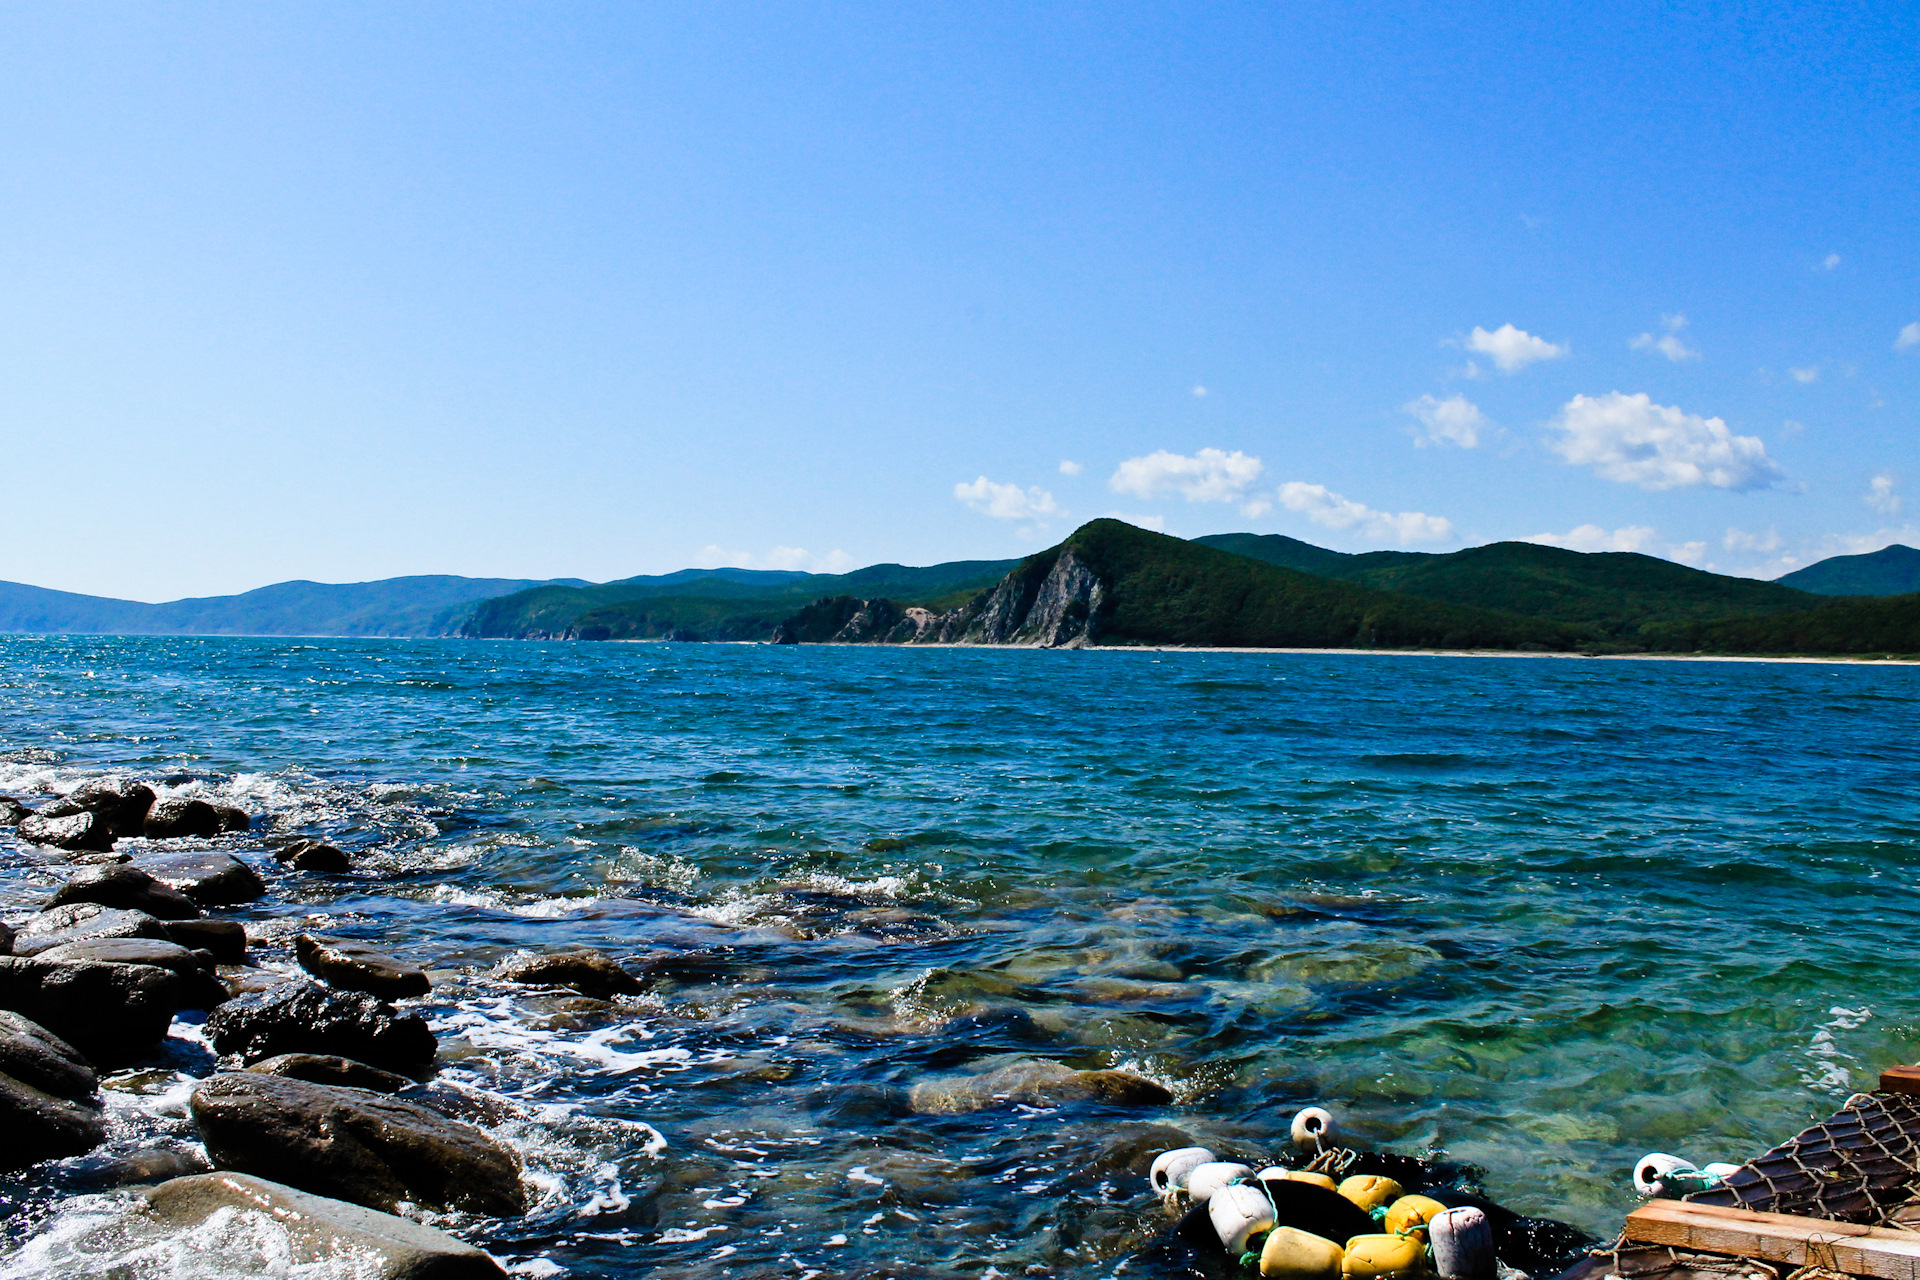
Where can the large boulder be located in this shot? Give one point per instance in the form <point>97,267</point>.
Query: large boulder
<point>320,1068</point>
<point>57,926</point>
<point>121,802</point>
<point>112,1013</point>
<point>175,816</point>
<point>321,1231</point>
<point>200,988</point>
<point>207,877</point>
<point>81,832</point>
<point>354,1144</point>
<point>48,1109</point>
<point>127,887</point>
<point>355,966</point>
<point>1035,1083</point>
<point>225,939</point>
<point>588,972</point>
<point>305,1017</point>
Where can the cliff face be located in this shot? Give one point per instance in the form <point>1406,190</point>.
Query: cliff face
<point>1041,605</point>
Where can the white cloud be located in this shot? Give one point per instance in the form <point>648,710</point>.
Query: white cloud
<point>1330,510</point>
<point>1809,373</point>
<point>1831,261</point>
<point>1741,540</point>
<point>1512,349</point>
<point>1909,337</point>
<point>1070,468</point>
<point>1591,537</point>
<point>1455,420</point>
<point>1208,476</point>
<point>1632,440</point>
<point>835,561</point>
<point>1200,391</point>
<point>1669,344</point>
<point>1006,501</point>
<point>1881,495</point>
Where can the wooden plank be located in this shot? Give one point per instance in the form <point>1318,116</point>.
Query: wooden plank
<point>1900,1080</point>
<point>1880,1252</point>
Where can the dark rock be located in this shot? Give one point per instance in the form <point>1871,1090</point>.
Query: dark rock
<point>112,1013</point>
<point>1035,1084</point>
<point>126,887</point>
<point>355,966</point>
<point>82,831</point>
<point>316,1068</point>
<point>6,938</point>
<point>11,811</point>
<point>40,1126</point>
<point>209,878</point>
<point>146,1166</point>
<point>35,1056</point>
<point>175,816</point>
<point>320,1231</point>
<point>311,855</point>
<point>305,1017</point>
<point>588,972</point>
<point>199,987</point>
<point>57,926</point>
<point>121,801</point>
<point>354,1144</point>
<point>233,819</point>
<point>225,939</point>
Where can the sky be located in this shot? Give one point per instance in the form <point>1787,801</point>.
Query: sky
<point>346,292</point>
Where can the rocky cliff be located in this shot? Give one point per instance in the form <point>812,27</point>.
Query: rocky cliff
<point>1050,601</point>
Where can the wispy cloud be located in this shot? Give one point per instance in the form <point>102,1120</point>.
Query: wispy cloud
<point>1632,440</point>
<point>1669,343</point>
<point>1455,420</point>
<point>1511,349</point>
<point>790,558</point>
<point>1211,475</point>
<point>1805,374</point>
<point>1068,467</point>
<point>1591,537</point>
<point>1829,262</point>
<point>1908,338</point>
<point>1334,511</point>
<point>1007,501</point>
<point>1883,494</point>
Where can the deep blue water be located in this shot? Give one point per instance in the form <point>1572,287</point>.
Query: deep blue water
<point>1544,915</point>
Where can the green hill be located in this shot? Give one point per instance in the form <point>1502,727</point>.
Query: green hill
<point>1890,571</point>
<point>1883,626</point>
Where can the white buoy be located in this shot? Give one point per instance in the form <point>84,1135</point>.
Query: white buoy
<point>1238,1211</point>
<point>1206,1179</point>
<point>1720,1171</point>
<point>1170,1168</point>
<point>1650,1170</point>
<point>1462,1243</point>
<point>1313,1128</point>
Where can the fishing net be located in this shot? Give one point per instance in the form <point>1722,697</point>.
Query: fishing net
<point>1861,1165</point>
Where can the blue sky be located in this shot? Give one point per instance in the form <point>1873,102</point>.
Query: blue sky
<point>345,292</point>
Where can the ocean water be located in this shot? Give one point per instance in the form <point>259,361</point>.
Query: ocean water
<point>1540,915</point>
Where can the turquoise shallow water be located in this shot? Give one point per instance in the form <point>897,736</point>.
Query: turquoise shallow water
<point>1544,915</point>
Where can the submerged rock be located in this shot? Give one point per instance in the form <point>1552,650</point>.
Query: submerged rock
<point>354,1144</point>
<point>199,987</point>
<point>121,802</point>
<point>127,887</point>
<point>319,1068</point>
<point>77,832</point>
<point>312,855</point>
<point>208,878</point>
<point>57,926</point>
<point>172,817</point>
<point>1036,1083</point>
<point>588,972</point>
<point>112,1013</point>
<point>355,966</point>
<point>233,818</point>
<point>305,1017</point>
<point>11,811</point>
<point>320,1230</point>
<point>226,940</point>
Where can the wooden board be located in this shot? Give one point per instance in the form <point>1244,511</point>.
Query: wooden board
<point>1880,1252</point>
<point>1900,1080</point>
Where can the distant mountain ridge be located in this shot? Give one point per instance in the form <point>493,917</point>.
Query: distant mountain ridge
<point>1890,571</point>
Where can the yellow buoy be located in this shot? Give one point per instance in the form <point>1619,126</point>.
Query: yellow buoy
<point>1293,1254</point>
<point>1370,1191</point>
<point>1317,1179</point>
<point>1383,1255</point>
<point>1410,1213</point>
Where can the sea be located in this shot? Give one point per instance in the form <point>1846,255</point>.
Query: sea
<point>1533,916</point>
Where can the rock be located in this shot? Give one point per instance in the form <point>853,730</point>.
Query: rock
<point>1036,1084</point>
<point>311,855</point>
<point>122,802</point>
<point>199,988</point>
<point>57,926</point>
<point>233,819</point>
<point>588,972</point>
<point>81,831</point>
<point>316,1068</point>
<point>35,1056</point>
<point>11,811</point>
<point>127,887</point>
<point>354,1144</point>
<point>355,966</point>
<point>305,1017</point>
<point>148,1165</point>
<point>321,1231</point>
<point>208,878</point>
<point>6,938</point>
<point>225,939</point>
<point>40,1126</point>
<point>112,1013</point>
<point>172,817</point>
